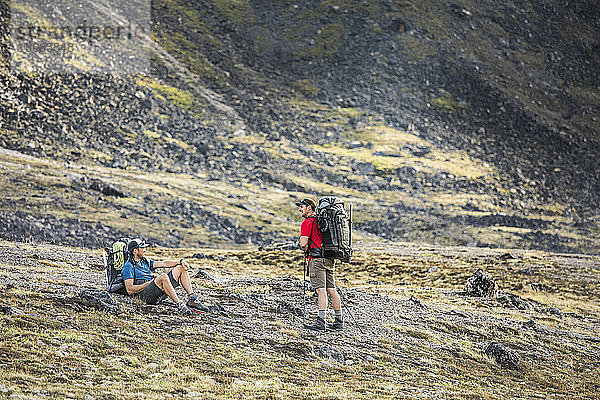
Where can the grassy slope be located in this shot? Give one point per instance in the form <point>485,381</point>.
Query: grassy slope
<point>62,349</point>
<point>442,29</point>
<point>43,187</point>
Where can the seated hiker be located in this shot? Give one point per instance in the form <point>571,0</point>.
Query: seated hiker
<point>137,275</point>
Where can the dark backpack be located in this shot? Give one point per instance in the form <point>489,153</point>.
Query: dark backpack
<point>115,257</point>
<point>335,227</point>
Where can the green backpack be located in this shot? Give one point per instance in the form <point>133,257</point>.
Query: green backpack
<point>115,258</point>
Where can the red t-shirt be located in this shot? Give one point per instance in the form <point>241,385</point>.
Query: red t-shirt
<point>310,228</point>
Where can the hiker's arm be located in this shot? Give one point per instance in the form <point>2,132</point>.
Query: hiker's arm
<point>133,289</point>
<point>171,264</point>
<point>304,243</point>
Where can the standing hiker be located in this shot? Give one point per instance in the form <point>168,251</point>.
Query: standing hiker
<point>137,275</point>
<point>321,270</point>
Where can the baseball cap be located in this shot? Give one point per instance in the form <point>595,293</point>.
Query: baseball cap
<point>307,202</point>
<point>135,243</point>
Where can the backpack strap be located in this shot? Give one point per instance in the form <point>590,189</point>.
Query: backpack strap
<point>130,258</point>
<point>133,263</point>
<point>310,249</point>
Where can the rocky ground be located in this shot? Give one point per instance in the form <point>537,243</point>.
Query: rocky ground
<point>420,322</point>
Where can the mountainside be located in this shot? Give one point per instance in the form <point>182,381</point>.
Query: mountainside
<point>417,325</point>
<point>470,123</point>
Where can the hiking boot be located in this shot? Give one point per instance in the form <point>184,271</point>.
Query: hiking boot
<point>337,325</point>
<point>183,310</point>
<point>193,303</point>
<point>318,325</point>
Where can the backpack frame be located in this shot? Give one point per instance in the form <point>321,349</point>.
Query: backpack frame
<point>115,258</point>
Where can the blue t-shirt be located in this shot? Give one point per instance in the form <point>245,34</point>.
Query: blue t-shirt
<point>143,270</point>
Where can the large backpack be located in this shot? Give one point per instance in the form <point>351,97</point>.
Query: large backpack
<point>115,257</point>
<point>335,227</point>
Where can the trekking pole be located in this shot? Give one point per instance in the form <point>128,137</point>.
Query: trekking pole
<point>350,226</point>
<point>304,291</point>
<point>340,289</point>
<point>345,308</point>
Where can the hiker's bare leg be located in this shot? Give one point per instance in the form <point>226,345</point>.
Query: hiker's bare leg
<point>322,302</point>
<point>180,274</point>
<point>164,283</point>
<point>335,298</point>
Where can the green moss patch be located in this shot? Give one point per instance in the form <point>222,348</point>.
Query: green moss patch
<point>178,97</point>
<point>304,86</point>
<point>446,102</point>
<point>189,53</point>
<point>415,48</point>
<point>327,42</point>
<point>240,12</point>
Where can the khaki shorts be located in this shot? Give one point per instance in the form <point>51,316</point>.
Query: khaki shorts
<point>322,273</point>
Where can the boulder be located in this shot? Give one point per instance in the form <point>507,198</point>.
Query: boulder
<point>8,310</point>
<point>329,353</point>
<point>415,302</point>
<point>101,300</point>
<point>480,284</point>
<point>502,356</point>
<point>513,301</point>
<point>105,188</point>
<point>289,245</point>
<point>202,273</point>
